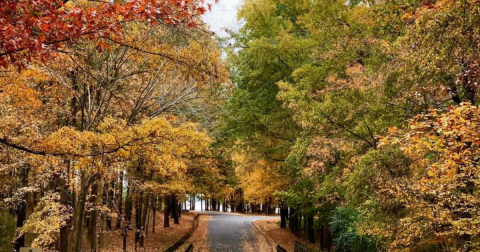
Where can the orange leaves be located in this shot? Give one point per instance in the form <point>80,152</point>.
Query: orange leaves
<point>32,28</point>
<point>441,188</point>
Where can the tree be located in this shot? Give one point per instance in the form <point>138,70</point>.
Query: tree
<point>438,191</point>
<point>93,112</point>
<point>36,29</point>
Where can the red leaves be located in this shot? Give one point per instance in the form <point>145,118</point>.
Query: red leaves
<point>32,27</point>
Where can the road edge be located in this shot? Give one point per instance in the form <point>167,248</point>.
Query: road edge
<point>269,240</point>
<point>184,238</point>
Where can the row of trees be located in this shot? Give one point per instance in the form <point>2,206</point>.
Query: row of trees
<point>360,117</point>
<point>103,115</point>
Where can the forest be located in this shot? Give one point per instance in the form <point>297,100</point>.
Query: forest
<point>357,120</point>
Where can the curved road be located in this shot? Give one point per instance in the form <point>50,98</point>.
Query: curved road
<point>235,232</point>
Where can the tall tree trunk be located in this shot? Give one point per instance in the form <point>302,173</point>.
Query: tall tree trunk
<point>146,202</point>
<point>119,196</point>
<point>92,225</point>
<point>192,206</point>
<point>166,212</point>
<point>148,221</point>
<point>328,238</point>
<point>322,238</point>
<point>128,208</point>
<point>179,210</point>
<point>310,233</point>
<point>214,204</point>
<point>233,205</point>
<point>138,218</point>
<point>65,200</point>
<point>110,203</point>
<point>124,234</point>
<point>101,232</point>
<point>175,209</point>
<point>102,222</point>
<point>294,223</point>
<point>154,217</point>
<point>283,216</point>
<point>80,210</point>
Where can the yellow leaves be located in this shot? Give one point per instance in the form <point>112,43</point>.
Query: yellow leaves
<point>16,88</point>
<point>47,219</point>
<point>440,186</point>
<point>163,146</point>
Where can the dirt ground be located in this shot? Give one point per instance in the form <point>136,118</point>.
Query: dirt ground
<point>158,241</point>
<point>199,237</point>
<point>278,236</point>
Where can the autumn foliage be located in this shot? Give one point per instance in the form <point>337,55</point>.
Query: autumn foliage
<point>356,121</point>
<point>97,108</point>
<point>34,29</point>
<point>364,115</point>
<point>439,191</point>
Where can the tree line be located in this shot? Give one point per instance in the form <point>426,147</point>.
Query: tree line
<point>359,119</point>
<point>99,128</point>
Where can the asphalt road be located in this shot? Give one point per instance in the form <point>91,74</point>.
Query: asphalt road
<point>233,232</point>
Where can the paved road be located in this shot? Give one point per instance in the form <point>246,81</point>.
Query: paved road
<point>234,232</point>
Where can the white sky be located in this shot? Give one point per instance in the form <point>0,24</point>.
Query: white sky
<point>223,15</point>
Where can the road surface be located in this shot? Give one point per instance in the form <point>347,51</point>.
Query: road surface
<point>236,233</point>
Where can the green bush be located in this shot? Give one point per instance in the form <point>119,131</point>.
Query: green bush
<point>346,237</point>
<point>7,231</point>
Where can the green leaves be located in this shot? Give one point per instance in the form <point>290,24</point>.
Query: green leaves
<point>7,231</point>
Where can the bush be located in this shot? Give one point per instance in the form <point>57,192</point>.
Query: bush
<point>346,237</point>
<point>7,231</point>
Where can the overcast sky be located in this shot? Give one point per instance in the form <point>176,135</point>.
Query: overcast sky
<point>223,15</point>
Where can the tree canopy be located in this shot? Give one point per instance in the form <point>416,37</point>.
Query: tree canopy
<point>357,120</point>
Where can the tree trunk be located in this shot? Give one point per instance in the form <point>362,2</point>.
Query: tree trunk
<point>214,204</point>
<point>179,210</point>
<point>175,209</point>
<point>124,234</point>
<point>102,222</point>
<point>310,233</point>
<point>155,202</point>
<point>146,203</point>
<point>128,208</point>
<point>233,207</point>
<point>283,216</point>
<point>65,230</point>
<point>138,219</point>
<point>110,194</point>
<point>119,197</point>
<point>80,211</point>
<point>293,221</point>
<point>328,238</point>
<point>92,225</point>
<point>166,212</point>
<point>322,238</point>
